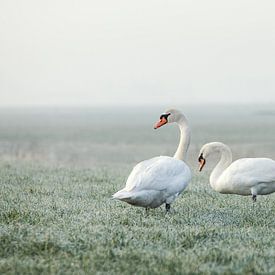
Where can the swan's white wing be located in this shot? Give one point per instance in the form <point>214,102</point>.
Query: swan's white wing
<point>250,171</point>
<point>160,173</point>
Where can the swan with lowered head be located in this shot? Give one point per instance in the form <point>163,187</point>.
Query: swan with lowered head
<point>247,176</point>
<point>161,179</point>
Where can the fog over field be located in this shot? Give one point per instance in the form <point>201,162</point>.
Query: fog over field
<point>92,136</point>
<point>144,52</point>
<point>81,85</point>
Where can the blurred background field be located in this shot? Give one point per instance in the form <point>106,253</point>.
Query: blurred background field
<point>60,166</point>
<point>87,137</point>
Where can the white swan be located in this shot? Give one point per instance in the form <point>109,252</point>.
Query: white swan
<point>161,179</point>
<point>247,176</point>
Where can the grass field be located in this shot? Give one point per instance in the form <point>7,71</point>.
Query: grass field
<point>59,168</point>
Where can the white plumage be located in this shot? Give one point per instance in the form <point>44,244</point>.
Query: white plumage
<point>161,179</point>
<point>247,176</point>
<point>155,181</point>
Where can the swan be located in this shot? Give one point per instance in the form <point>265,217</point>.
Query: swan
<point>246,176</point>
<point>161,179</point>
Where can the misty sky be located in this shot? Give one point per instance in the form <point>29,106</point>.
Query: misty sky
<point>117,52</point>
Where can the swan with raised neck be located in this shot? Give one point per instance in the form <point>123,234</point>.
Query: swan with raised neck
<point>160,180</point>
<point>175,116</point>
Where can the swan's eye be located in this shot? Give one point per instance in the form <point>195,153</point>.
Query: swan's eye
<point>201,157</point>
<point>165,116</point>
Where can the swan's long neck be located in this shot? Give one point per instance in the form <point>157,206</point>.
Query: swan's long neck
<point>225,161</point>
<point>185,136</point>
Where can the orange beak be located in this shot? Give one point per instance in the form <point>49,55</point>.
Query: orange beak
<point>202,163</point>
<point>162,122</point>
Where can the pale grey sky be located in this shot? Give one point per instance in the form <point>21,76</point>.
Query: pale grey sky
<point>116,52</point>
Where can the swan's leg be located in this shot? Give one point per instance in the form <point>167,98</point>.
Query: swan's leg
<point>254,194</point>
<point>168,207</point>
<point>169,201</point>
<point>146,210</point>
<point>254,198</point>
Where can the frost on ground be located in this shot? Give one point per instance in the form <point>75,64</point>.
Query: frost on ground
<point>57,216</point>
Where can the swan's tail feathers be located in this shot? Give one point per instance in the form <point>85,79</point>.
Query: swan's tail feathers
<point>123,195</point>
